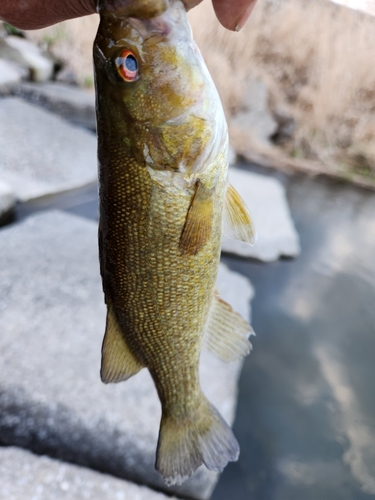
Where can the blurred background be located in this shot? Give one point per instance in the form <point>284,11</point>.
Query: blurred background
<point>298,89</point>
<point>307,61</point>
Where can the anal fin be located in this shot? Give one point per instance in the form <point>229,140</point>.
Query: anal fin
<point>227,333</point>
<point>198,224</point>
<point>118,363</point>
<point>237,220</point>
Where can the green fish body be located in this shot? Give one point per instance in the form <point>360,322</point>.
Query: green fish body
<point>163,161</point>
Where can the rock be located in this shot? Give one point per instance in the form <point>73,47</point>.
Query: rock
<point>232,156</point>
<point>52,319</point>
<point>67,101</point>
<point>254,122</point>
<point>41,153</point>
<point>7,201</point>
<point>27,476</point>
<point>67,76</point>
<point>9,76</point>
<point>11,54</point>
<point>266,200</point>
<point>286,126</point>
<point>25,53</point>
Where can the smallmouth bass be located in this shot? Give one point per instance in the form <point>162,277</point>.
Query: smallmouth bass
<point>163,189</point>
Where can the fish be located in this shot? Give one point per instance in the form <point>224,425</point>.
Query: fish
<point>164,199</point>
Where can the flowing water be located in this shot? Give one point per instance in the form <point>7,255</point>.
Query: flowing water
<point>306,412</point>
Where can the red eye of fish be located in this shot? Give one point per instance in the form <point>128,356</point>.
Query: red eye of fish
<point>127,66</point>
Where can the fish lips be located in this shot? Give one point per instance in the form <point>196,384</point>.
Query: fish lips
<point>144,9</point>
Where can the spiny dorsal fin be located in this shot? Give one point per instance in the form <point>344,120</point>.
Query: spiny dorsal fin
<point>237,221</point>
<point>118,363</point>
<point>227,332</point>
<point>198,224</point>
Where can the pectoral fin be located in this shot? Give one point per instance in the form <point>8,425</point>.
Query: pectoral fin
<point>227,332</point>
<point>118,363</point>
<point>237,220</point>
<point>198,224</point>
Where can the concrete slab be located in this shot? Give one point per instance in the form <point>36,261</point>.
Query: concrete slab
<point>13,56</point>
<point>52,322</point>
<point>254,122</point>
<point>72,103</point>
<point>26,476</point>
<point>27,54</point>
<point>7,200</point>
<point>9,76</point>
<point>41,153</point>
<point>232,155</point>
<point>266,200</point>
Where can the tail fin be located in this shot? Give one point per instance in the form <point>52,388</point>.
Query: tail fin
<point>183,446</point>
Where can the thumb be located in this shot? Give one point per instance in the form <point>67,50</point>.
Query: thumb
<point>233,14</point>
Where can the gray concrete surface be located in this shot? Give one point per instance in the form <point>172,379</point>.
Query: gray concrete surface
<point>41,153</point>
<point>7,200</point>
<point>28,55</point>
<point>254,119</point>
<point>13,56</point>
<point>9,76</point>
<point>25,476</point>
<point>69,102</point>
<point>232,155</point>
<point>52,320</point>
<point>266,200</point>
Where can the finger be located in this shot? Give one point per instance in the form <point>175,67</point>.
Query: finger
<point>35,14</point>
<point>189,4</point>
<point>233,14</point>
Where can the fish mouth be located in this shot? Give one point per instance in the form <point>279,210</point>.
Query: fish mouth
<point>149,17</point>
<point>137,8</point>
<point>148,28</point>
<point>163,23</point>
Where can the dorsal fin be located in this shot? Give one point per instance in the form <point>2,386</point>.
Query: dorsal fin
<point>199,218</point>
<point>227,333</point>
<point>118,363</point>
<point>237,220</point>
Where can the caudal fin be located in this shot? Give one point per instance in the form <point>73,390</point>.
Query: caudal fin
<point>183,446</point>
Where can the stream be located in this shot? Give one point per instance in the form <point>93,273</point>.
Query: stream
<point>306,411</point>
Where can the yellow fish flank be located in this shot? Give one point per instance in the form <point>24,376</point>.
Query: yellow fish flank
<point>163,161</point>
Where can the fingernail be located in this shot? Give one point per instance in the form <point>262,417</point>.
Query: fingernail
<point>245,16</point>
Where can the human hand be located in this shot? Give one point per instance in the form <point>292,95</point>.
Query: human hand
<point>34,14</point>
<point>232,14</point>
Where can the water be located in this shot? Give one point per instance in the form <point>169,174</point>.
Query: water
<point>81,201</point>
<point>306,412</point>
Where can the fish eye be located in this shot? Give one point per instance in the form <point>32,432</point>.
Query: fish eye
<point>127,66</point>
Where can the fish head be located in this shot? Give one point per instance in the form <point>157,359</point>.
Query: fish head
<point>152,77</point>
